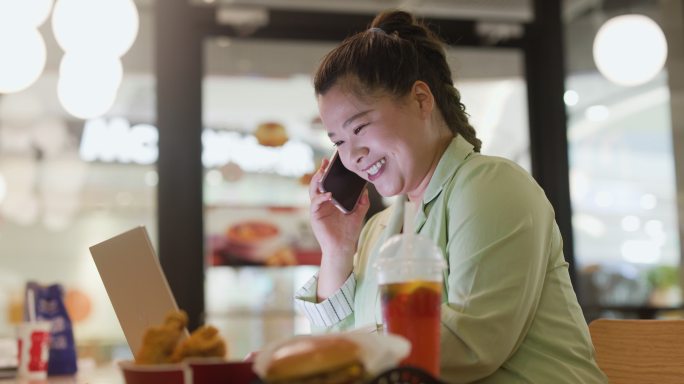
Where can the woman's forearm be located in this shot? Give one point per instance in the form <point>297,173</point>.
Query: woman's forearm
<point>334,271</point>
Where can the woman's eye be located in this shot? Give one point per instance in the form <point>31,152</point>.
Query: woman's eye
<point>337,143</point>
<point>359,128</point>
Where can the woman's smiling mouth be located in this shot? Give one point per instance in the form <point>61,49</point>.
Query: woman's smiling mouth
<point>374,170</point>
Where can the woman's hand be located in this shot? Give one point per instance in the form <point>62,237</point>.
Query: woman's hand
<point>337,233</point>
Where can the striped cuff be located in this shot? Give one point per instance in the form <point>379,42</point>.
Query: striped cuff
<point>329,311</point>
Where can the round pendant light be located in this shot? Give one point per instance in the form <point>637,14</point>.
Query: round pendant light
<point>630,49</point>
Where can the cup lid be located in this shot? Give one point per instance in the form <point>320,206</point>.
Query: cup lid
<point>410,248</point>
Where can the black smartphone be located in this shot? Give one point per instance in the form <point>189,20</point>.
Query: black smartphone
<point>344,185</point>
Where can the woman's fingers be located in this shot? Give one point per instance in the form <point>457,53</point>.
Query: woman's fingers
<point>319,200</point>
<point>314,185</point>
<point>364,199</point>
<point>363,204</point>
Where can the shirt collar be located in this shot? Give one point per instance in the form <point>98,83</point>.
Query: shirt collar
<point>457,151</point>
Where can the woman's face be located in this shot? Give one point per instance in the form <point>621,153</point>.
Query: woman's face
<point>386,141</point>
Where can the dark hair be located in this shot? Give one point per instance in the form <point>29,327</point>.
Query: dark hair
<point>392,55</point>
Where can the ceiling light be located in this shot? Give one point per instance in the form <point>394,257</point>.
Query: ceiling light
<point>571,98</point>
<point>87,26</point>
<point>25,13</point>
<point>88,84</point>
<point>23,58</point>
<point>630,49</point>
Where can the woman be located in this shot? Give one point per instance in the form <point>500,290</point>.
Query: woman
<point>509,314</point>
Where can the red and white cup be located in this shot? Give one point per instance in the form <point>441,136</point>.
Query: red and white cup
<point>33,349</point>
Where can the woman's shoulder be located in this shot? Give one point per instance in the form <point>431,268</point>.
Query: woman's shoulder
<point>483,179</point>
<point>477,162</point>
<point>492,170</point>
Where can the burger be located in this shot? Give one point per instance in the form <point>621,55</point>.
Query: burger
<point>271,134</point>
<point>316,360</point>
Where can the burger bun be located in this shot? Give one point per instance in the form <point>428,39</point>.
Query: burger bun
<point>309,357</point>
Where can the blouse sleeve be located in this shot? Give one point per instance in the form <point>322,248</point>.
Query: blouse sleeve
<point>499,235</point>
<point>331,311</point>
<point>336,313</point>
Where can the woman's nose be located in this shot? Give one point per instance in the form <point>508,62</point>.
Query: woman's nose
<point>358,153</point>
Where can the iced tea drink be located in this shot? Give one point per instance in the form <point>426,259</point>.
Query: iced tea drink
<point>410,274</point>
<point>412,309</point>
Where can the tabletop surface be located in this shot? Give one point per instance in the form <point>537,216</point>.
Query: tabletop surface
<point>106,374</point>
<point>111,374</point>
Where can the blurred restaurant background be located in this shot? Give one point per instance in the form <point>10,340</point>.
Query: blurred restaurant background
<point>197,119</point>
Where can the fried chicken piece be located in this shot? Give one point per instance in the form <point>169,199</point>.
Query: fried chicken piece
<point>203,342</point>
<point>160,341</point>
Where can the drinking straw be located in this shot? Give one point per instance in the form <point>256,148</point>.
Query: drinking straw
<point>409,216</point>
<point>31,299</point>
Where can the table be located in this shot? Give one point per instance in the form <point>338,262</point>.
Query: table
<point>106,374</point>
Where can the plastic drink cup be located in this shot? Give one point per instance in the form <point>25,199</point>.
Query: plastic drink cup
<point>410,269</point>
<point>33,349</point>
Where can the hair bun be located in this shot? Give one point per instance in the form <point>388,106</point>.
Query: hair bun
<point>393,21</point>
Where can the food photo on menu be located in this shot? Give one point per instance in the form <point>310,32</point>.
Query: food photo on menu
<point>268,236</point>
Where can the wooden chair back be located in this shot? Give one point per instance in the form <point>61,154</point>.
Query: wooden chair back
<point>639,351</point>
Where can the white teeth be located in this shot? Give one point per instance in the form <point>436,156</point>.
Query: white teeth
<point>376,167</point>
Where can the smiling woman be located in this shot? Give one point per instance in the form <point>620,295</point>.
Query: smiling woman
<point>398,136</point>
<point>508,313</point>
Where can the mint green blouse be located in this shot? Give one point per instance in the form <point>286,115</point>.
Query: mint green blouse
<point>509,313</point>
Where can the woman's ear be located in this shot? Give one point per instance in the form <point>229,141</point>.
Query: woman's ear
<point>422,95</point>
